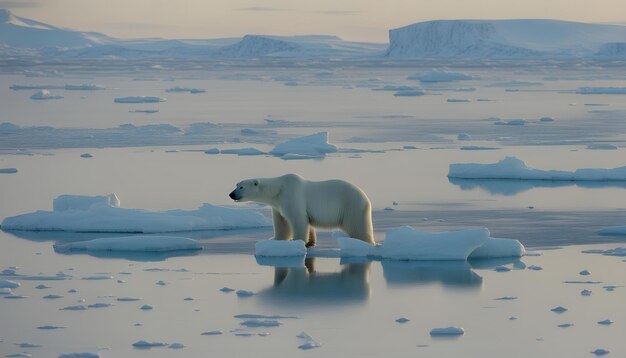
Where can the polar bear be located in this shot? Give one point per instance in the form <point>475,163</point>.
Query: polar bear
<point>299,205</point>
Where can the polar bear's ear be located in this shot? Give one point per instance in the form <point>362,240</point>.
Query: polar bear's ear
<point>256,182</point>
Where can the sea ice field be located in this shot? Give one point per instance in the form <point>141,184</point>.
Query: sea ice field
<point>166,267</point>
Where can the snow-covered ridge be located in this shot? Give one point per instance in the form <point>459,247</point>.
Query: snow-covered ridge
<point>501,39</point>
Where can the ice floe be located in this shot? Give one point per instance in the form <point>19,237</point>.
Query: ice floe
<point>80,355</point>
<point>212,333</point>
<point>618,251</point>
<point>439,76</point>
<point>601,90</point>
<point>142,243</point>
<point>86,155</point>
<point>139,99</point>
<point>512,122</point>
<point>179,89</point>
<point>602,146</point>
<point>9,284</point>
<point>242,151</point>
<point>44,94</point>
<point>585,293</point>
<point>558,309</point>
<point>606,322</point>
<point>310,146</point>
<point>147,344</point>
<point>8,170</point>
<point>447,331</point>
<point>409,93</point>
<point>104,217</point>
<point>402,320</point>
<point>261,323</point>
<point>600,352</point>
<point>244,293</point>
<point>514,168</point>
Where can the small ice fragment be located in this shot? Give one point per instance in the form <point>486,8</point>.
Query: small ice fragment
<point>19,355</point>
<point>9,284</point>
<point>80,355</point>
<point>565,325</point>
<point>304,335</point>
<point>42,287</point>
<point>395,203</point>
<point>146,307</point>
<point>261,323</point>
<point>535,268</point>
<point>161,283</point>
<point>5,291</point>
<point>15,297</point>
<point>73,290</point>
<point>146,344</point>
<point>447,331</point>
<point>128,299</point>
<point>99,305</point>
<point>263,334</point>
<point>121,281</point>
<point>188,298</point>
<point>600,352</point>
<point>605,322</point>
<point>48,327</point>
<point>402,320</point>
<point>176,346</point>
<point>244,293</point>
<point>584,273</point>
<point>227,289</point>
<point>502,269</point>
<point>512,318</point>
<point>309,345</point>
<point>86,155</point>
<point>52,297</point>
<point>28,345</point>
<point>559,309</point>
<point>585,293</point>
<point>505,298</point>
<point>97,278</point>
<point>211,333</point>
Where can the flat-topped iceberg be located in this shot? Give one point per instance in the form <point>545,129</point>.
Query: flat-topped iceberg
<point>44,94</point>
<point>141,243</point>
<point>514,168</point>
<point>95,214</point>
<point>139,99</point>
<point>311,146</point>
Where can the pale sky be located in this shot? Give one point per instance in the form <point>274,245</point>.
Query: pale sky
<point>357,20</point>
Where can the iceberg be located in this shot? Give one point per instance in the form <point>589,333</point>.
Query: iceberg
<point>514,168</point>
<point>140,243</point>
<point>406,243</point>
<point>44,94</point>
<point>311,146</point>
<point>139,99</point>
<point>498,248</point>
<point>87,215</point>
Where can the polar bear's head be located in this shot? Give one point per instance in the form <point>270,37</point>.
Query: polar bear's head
<point>247,190</point>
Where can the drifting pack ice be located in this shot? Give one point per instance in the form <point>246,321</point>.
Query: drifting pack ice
<point>78,213</point>
<point>307,147</point>
<point>516,169</point>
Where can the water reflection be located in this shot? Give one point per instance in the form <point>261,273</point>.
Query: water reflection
<point>446,273</point>
<point>508,187</point>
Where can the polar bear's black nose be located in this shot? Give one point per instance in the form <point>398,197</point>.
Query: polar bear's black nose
<point>232,195</point>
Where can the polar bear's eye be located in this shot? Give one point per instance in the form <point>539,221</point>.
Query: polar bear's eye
<point>240,187</point>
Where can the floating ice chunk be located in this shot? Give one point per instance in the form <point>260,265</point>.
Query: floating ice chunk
<point>565,325</point>
<point>280,248</point>
<point>146,344</point>
<point>128,299</point>
<point>513,168</point>
<point>179,89</point>
<point>141,243</point>
<point>80,355</point>
<point>463,136</point>
<point>44,94</point>
<point>8,170</point>
<point>409,93</point>
<point>188,299</point>
<point>146,307</point>
<point>19,355</point>
<point>42,287</point>
<point>96,278</point>
<point>447,331</point>
<point>606,322</point>
<point>212,151</point>
<point>585,293</point>
<point>28,345</point>
<point>244,293</point>
<point>402,320</point>
<point>212,333</point>
<point>99,305</point>
<point>476,147</point>
<point>262,316</point>
<point>546,119</point>
<point>75,308</point>
<point>313,146</point>
<point>535,268</point>
<point>406,243</point>
<point>84,87</point>
<point>15,297</point>
<point>512,122</point>
<point>48,327</point>
<point>559,309</point>
<point>584,273</point>
<point>309,345</point>
<point>139,99</point>
<point>243,151</point>
<point>600,352</point>
<point>505,298</point>
<point>618,251</point>
<point>227,289</point>
<point>9,284</point>
<point>109,218</point>
<point>83,202</point>
<point>601,146</point>
<point>5,291</point>
<point>601,90</point>
<point>350,247</point>
<point>457,100</point>
<point>496,248</point>
<point>176,345</point>
<point>502,269</point>
<point>439,76</point>
<point>261,323</point>
<point>86,155</point>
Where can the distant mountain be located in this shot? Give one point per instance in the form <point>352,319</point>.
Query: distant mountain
<point>501,39</point>
<point>18,32</point>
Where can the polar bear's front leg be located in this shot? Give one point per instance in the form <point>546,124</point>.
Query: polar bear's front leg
<point>282,231</point>
<point>299,227</point>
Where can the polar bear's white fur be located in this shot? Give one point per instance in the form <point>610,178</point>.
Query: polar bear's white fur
<point>299,205</point>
